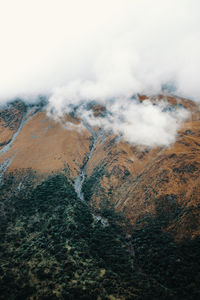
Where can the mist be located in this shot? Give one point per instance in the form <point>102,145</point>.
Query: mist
<point>78,51</point>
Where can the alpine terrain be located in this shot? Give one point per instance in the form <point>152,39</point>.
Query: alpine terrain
<point>85,214</point>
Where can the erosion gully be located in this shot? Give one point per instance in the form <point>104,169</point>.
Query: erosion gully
<point>80,179</point>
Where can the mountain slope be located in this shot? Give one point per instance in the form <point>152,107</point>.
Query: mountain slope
<point>139,181</point>
<point>142,182</point>
<point>86,215</point>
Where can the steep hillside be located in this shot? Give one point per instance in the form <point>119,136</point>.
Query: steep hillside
<point>86,215</point>
<point>52,248</point>
<point>158,182</point>
<point>136,180</point>
<point>42,144</point>
<point>10,119</point>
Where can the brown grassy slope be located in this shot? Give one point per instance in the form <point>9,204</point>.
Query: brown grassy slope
<point>136,180</point>
<point>46,146</point>
<point>159,182</point>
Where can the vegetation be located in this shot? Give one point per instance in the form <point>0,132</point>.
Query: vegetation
<point>51,247</point>
<point>174,265</point>
<point>12,114</point>
<point>92,182</point>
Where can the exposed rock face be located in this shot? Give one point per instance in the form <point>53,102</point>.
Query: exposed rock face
<point>10,119</point>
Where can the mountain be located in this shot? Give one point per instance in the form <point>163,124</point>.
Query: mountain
<point>86,215</point>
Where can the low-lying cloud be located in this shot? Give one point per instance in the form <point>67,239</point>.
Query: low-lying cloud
<point>78,51</point>
<point>144,124</point>
<point>141,123</point>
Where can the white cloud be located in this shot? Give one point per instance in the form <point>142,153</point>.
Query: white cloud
<point>76,51</point>
<point>138,123</point>
<point>145,123</point>
<point>112,48</point>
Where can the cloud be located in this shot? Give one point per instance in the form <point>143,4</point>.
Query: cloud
<point>77,51</point>
<point>101,48</point>
<point>144,124</point>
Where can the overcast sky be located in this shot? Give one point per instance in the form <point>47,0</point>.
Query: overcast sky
<point>82,50</point>
<point>99,49</point>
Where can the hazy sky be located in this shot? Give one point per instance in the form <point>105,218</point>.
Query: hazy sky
<point>99,49</point>
<point>103,49</point>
